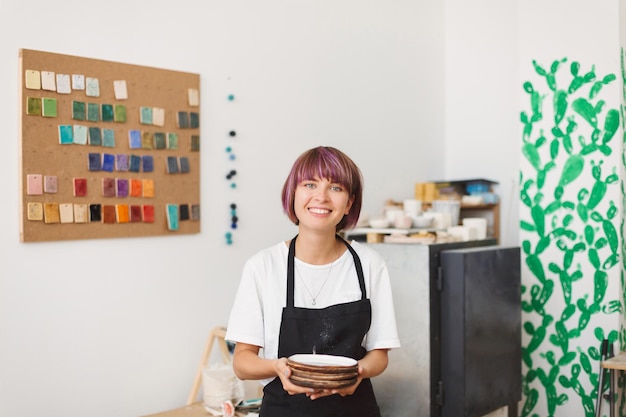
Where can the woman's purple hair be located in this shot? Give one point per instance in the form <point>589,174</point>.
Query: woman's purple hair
<point>325,162</point>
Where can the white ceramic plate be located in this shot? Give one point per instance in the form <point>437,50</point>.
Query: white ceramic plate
<point>322,360</point>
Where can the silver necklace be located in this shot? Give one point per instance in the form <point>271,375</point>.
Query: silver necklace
<point>314,297</point>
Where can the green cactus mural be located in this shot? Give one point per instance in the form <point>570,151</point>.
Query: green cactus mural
<point>572,244</point>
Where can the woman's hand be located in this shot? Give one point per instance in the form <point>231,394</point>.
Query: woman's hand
<point>283,372</point>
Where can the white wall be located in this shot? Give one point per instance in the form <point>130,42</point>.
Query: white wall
<point>85,335</point>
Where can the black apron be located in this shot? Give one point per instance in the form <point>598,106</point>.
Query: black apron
<point>335,330</point>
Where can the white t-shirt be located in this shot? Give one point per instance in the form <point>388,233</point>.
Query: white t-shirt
<point>257,311</point>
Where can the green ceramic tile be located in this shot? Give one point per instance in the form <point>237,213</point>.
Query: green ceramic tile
<point>78,110</point>
<point>172,140</point>
<point>93,112</point>
<point>108,138</point>
<point>195,143</point>
<point>145,115</point>
<point>95,136</point>
<point>194,120</point>
<point>159,140</point>
<point>119,114</point>
<point>49,107</point>
<point>33,106</point>
<point>107,112</point>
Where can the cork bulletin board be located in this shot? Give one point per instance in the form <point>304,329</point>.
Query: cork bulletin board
<point>108,149</point>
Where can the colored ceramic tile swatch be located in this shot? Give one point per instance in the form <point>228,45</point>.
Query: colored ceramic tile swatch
<point>121,187</point>
<point>32,79</point>
<point>135,214</point>
<point>147,186</point>
<point>182,120</point>
<point>92,87</point>
<point>95,213</point>
<point>172,140</point>
<point>78,82</point>
<point>146,140</point>
<point>49,107</point>
<point>194,120</point>
<point>193,97</point>
<point>93,112</point>
<point>95,136</point>
<point>108,162</point>
<point>33,106</point>
<point>172,165</point>
<point>80,187</point>
<point>148,213</point>
<point>109,215</point>
<point>81,213</point>
<point>51,213</point>
<point>79,110</point>
<point>134,163</point>
<point>34,184</point>
<point>108,187</point>
<point>66,213</point>
<point>184,164</point>
<point>147,161</point>
<point>136,187</point>
<point>159,140</point>
<point>195,212</point>
<point>158,116</point>
<point>94,162</point>
<point>171,211</point>
<point>107,113</point>
<point>119,113</point>
<point>145,115</point>
<point>195,143</point>
<point>120,90</point>
<point>108,138</point>
<point>63,84</point>
<point>80,134</point>
<point>121,213</point>
<point>48,81</point>
<point>50,184</point>
<point>134,139</point>
<point>34,212</point>
<point>183,212</point>
<point>66,134</point>
<point>121,162</point>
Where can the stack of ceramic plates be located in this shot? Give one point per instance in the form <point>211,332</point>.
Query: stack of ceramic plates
<point>322,371</point>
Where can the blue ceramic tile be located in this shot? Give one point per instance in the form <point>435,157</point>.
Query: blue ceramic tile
<point>108,162</point>
<point>148,163</point>
<point>184,164</point>
<point>121,162</point>
<point>172,165</point>
<point>66,134</point>
<point>135,163</point>
<point>134,139</point>
<point>95,162</point>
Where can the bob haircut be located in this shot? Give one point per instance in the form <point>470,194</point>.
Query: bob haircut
<point>329,163</point>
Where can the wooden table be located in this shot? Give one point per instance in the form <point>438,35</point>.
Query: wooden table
<point>193,410</point>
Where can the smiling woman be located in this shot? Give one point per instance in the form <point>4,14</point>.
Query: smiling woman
<point>340,305</point>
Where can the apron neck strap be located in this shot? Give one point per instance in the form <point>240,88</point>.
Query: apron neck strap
<point>291,269</point>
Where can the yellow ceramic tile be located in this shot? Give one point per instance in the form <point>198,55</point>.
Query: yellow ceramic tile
<point>81,213</point>
<point>48,81</point>
<point>33,106</point>
<point>33,79</point>
<point>34,212</point>
<point>66,212</point>
<point>194,97</point>
<point>51,213</point>
<point>148,188</point>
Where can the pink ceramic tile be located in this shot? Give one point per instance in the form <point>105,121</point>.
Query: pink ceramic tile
<point>50,184</point>
<point>34,184</point>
